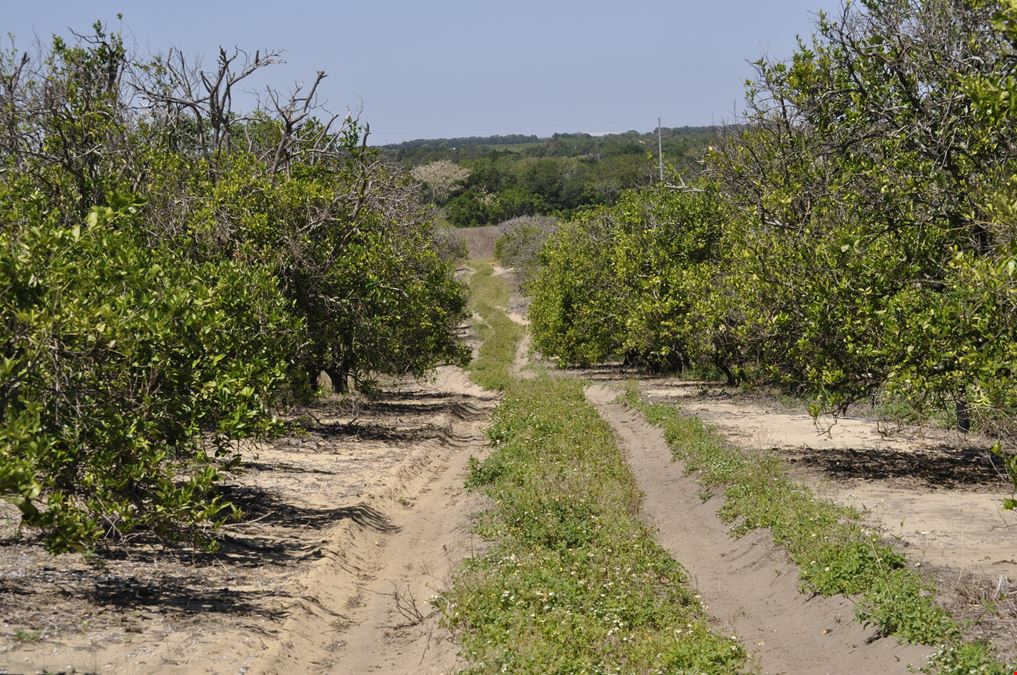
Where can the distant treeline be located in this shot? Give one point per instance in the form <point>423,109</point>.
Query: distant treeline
<point>518,175</point>
<point>422,150</point>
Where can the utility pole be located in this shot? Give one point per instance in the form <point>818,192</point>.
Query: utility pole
<point>660,152</point>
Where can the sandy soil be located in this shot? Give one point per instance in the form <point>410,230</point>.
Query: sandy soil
<point>351,527</point>
<point>936,491</point>
<point>521,364</point>
<point>391,626</point>
<point>748,584</point>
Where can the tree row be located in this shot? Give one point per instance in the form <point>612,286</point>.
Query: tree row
<point>175,271</point>
<point>856,239</point>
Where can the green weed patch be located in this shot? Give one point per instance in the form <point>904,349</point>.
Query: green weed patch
<point>499,334</point>
<point>572,582</point>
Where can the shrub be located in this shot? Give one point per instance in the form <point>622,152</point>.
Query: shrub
<point>127,375</point>
<point>177,271</point>
<point>632,280</point>
<point>519,242</point>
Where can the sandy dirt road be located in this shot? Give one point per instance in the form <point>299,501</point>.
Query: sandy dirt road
<point>935,493</point>
<point>748,584</point>
<point>386,623</point>
<point>935,490</point>
<point>352,526</point>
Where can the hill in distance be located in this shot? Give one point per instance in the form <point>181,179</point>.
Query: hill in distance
<point>677,142</point>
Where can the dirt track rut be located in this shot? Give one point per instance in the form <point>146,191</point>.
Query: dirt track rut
<point>379,619</point>
<point>747,584</point>
<point>353,526</point>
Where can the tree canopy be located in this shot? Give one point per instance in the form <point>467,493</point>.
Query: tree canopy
<point>854,238</point>
<point>177,270</point>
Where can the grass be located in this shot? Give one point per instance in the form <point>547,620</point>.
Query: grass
<point>835,554</point>
<point>498,333</point>
<point>28,636</point>
<point>572,582</point>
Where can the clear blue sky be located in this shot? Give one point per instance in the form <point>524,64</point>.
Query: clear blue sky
<point>428,69</point>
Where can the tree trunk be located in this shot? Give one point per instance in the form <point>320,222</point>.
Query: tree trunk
<point>340,379</point>
<point>963,416</point>
<point>728,373</point>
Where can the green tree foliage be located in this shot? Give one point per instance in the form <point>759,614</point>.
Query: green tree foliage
<point>471,208</point>
<point>174,271</point>
<point>362,268</point>
<point>523,175</point>
<point>630,281</point>
<point>856,238</point>
<point>576,310</point>
<point>870,252</point>
<point>127,374</point>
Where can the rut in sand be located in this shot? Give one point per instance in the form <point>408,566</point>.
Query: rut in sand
<point>387,623</point>
<point>353,526</point>
<point>747,584</point>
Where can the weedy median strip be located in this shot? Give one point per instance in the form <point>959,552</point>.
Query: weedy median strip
<point>498,333</point>
<point>572,581</point>
<point>834,552</point>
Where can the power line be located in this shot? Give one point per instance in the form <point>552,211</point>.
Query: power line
<point>660,151</point>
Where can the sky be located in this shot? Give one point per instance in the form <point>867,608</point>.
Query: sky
<point>455,68</point>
